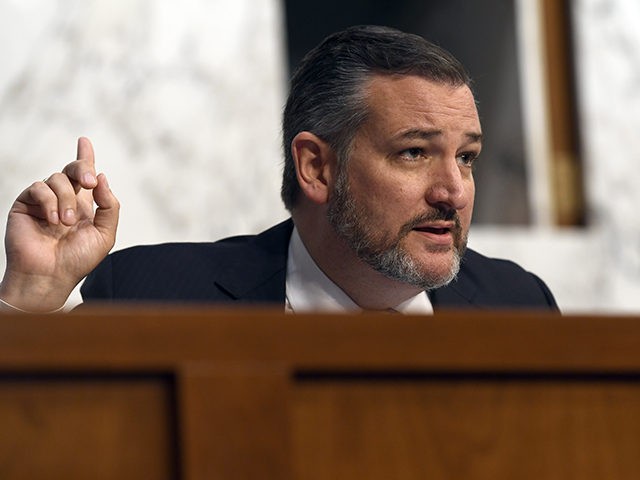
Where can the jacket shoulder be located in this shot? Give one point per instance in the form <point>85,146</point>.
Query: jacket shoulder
<point>494,283</point>
<point>187,271</point>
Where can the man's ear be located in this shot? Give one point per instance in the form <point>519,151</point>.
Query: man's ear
<point>315,166</point>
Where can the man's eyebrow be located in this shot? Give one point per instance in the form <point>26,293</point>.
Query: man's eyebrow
<point>474,137</point>
<point>418,133</point>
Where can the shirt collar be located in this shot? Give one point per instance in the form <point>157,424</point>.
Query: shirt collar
<point>310,290</point>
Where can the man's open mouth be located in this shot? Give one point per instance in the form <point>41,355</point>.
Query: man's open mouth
<point>434,230</point>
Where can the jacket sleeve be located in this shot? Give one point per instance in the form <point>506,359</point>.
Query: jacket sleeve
<point>99,283</point>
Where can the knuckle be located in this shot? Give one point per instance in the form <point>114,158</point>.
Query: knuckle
<point>39,187</point>
<point>76,166</point>
<point>57,177</point>
<point>40,193</point>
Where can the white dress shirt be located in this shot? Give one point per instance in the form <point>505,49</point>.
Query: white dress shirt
<point>308,289</point>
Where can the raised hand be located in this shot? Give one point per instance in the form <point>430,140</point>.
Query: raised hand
<point>54,238</point>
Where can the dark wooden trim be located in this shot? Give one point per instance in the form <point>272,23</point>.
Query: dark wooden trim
<point>566,166</point>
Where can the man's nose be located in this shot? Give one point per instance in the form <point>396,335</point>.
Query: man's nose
<point>446,185</point>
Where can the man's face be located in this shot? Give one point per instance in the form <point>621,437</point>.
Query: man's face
<point>404,199</point>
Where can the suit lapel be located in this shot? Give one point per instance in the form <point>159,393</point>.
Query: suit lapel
<point>256,272</point>
<point>458,294</point>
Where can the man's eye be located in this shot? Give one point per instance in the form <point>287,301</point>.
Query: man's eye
<point>412,153</point>
<point>468,159</point>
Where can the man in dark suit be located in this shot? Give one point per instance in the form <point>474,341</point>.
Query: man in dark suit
<point>381,134</point>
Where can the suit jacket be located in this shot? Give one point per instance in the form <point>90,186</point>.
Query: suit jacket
<point>252,269</point>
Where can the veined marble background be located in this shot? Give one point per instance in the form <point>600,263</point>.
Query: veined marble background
<point>182,101</point>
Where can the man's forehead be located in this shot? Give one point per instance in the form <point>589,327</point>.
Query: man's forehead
<point>407,87</point>
<point>389,78</point>
<point>391,97</point>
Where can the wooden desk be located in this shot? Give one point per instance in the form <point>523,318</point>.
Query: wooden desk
<point>197,393</point>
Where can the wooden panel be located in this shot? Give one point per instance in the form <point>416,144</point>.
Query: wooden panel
<point>481,395</point>
<point>159,338</point>
<point>75,428</point>
<point>234,422</point>
<point>467,429</point>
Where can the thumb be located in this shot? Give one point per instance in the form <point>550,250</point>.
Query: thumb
<point>106,217</point>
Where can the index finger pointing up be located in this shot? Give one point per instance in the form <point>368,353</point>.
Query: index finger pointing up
<point>85,151</point>
<point>82,172</point>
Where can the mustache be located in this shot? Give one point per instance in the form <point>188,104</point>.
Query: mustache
<point>433,216</point>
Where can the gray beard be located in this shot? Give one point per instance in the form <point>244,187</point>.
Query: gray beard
<point>386,255</point>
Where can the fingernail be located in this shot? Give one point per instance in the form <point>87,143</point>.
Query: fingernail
<point>88,178</point>
<point>53,218</point>
<point>69,215</point>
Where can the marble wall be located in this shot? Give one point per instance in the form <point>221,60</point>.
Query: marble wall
<point>183,99</point>
<point>608,41</point>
